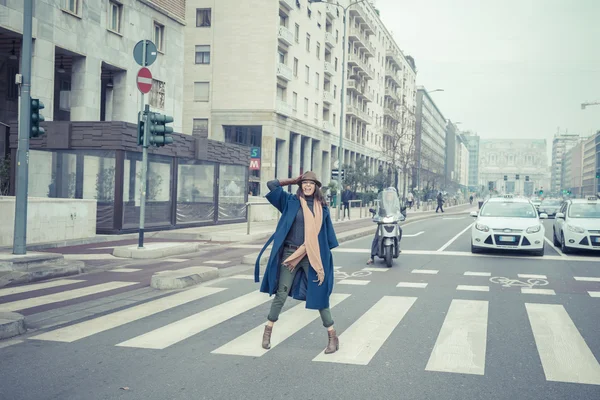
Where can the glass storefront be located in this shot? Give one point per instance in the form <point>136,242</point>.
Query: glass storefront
<point>195,192</point>
<point>232,192</point>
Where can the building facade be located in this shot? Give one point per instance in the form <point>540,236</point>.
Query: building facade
<point>591,165</point>
<point>471,140</point>
<point>561,144</point>
<point>462,167</point>
<point>84,71</point>
<point>508,158</point>
<point>572,170</point>
<point>276,86</point>
<point>451,153</point>
<point>430,143</point>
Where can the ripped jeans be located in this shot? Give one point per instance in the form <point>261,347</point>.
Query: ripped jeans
<point>286,278</point>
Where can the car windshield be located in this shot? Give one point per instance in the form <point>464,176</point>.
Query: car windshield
<point>583,210</point>
<point>509,210</point>
<point>551,203</point>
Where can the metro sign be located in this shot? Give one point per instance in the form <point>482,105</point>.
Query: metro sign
<point>254,164</point>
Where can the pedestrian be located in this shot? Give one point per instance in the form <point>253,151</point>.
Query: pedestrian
<point>409,199</point>
<point>346,197</point>
<point>301,263</point>
<point>440,202</point>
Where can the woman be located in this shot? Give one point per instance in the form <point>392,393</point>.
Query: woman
<point>301,263</point>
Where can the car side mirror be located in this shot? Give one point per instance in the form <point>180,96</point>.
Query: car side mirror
<point>543,216</point>
<point>560,216</point>
<point>474,214</point>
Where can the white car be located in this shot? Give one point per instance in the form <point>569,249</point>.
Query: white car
<point>577,225</point>
<point>508,223</point>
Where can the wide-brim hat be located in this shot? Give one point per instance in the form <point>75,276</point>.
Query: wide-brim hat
<point>310,176</point>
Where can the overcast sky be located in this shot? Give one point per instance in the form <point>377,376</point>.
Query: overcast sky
<point>509,68</point>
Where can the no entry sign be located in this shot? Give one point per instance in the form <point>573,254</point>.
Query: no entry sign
<point>144,80</point>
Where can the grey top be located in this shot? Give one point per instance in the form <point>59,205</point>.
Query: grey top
<point>296,234</point>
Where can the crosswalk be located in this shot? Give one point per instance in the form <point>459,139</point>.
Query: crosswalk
<point>459,340</point>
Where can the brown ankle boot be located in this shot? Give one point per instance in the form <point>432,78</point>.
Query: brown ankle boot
<point>334,343</point>
<point>266,342</point>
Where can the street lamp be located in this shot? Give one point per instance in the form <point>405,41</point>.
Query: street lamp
<point>436,90</point>
<point>593,103</point>
<point>343,97</point>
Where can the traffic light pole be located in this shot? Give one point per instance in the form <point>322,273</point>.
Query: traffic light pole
<point>22,164</point>
<point>144,115</point>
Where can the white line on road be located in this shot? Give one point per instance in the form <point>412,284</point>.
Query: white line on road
<point>461,344</point>
<point>594,294</point>
<point>472,288</point>
<point>91,327</point>
<point>587,279</point>
<point>444,247</point>
<point>125,270</point>
<point>168,335</point>
<point>38,286</point>
<point>469,273</point>
<point>556,249</point>
<point>357,282</point>
<point>547,292</point>
<point>62,296</point>
<point>363,339</point>
<point>424,271</point>
<point>290,322</point>
<point>217,262</point>
<point>418,285</point>
<point>563,352</point>
<point>529,276</point>
<point>413,235</point>
<point>375,269</point>
<point>248,277</point>
<point>6,343</point>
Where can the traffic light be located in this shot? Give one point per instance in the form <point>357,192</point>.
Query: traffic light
<point>597,174</point>
<point>159,130</point>
<point>140,130</point>
<point>541,192</point>
<point>36,118</point>
<point>505,177</point>
<point>490,185</point>
<point>526,178</point>
<point>517,176</point>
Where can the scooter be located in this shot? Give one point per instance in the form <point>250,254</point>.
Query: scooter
<point>390,234</point>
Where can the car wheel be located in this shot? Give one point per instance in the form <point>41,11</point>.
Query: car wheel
<point>554,239</point>
<point>563,244</point>
<point>539,253</point>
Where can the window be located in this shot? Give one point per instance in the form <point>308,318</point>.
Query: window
<point>316,111</point>
<point>282,56</point>
<point>297,34</point>
<point>318,51</point>
<point>305,106</point>
<point>73,6</point>
<point>317,80</point>
<point>296,67</point>
<point>200,127</point>
<point>201,91</point>
<point>115,13</point>
<point>202,54</point>
<point>308,42</point>
<point>157,94</point>
<point>159,36</point>
<point>295,101</point>
<point>283,19</point>
<point>203,17</point>
<point>334,91</point>
<point>281,93</point>
<point>307,71</point>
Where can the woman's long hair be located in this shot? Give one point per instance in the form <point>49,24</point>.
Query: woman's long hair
<point>318,196</point>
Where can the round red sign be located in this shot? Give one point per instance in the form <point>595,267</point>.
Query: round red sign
<point>144,80</point>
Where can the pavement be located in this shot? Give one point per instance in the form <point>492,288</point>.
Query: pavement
<point>442,323</point>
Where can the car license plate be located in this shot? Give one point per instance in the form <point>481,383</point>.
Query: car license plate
<point>507,238</point>
<point>597,240</point>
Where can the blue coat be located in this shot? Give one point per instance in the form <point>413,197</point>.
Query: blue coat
<point>303,288</point>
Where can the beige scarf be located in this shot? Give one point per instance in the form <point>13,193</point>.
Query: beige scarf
<point>312,227</point>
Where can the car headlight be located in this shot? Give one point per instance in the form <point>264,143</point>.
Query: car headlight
<point>576,229</point>
<point>534,229</point>
<point>481,227</point>
<point>388,220</point>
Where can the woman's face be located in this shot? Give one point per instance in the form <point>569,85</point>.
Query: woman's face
<point>308,188</point>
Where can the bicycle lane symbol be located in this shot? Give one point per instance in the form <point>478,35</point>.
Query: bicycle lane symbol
<point>338,274</point>
<point>508,282</point>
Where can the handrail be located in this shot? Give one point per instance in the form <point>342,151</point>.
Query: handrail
<point>361,205</point>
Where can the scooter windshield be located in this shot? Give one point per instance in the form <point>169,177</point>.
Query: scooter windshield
<point>389,204</point>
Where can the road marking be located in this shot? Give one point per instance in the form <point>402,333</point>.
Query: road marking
<point>62,296</point>
<point>587,279</point>
<point>461,344</point>
<point>91,327</point>
<point>413,235</point>
<point>125,270</point>
<point>444,247</point>
<point>529,276</point>
<point>594,294</point>
<point>38,286</point>
<point>168,335</point>
<point>363,339</point>
<point>290,322</point>
<point>424,271</point>
<point>453,218</point>
<point>556,249</point>
<point>175,260</point>
<point>547,292</point>
<point>563,352</point>
<point>376,269</point>
<point>6,343</point>
<point>419,285</point>
<point>249,277</point>
<point>217,262</point>
<point>473,288</point>
<point>91,257</point>
<point>353,282</point>
<point>469,273</point>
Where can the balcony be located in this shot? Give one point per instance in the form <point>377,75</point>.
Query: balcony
<point>331,10</point>
<point>393,114</point>
<point>395,57</point>
<point>288,4</point>
<point>390,73</point>
<point>360,12</point>
<point>355,112</point>
<point>284,108</point>
<point>330,40</point>
<point>328,127</point>
<point>364,69</point>
<point>351,111</point>
<point>364,93</point>
<point>328,97</point>
<point>329,68</point>
<point>361,39</point>
<point>352,85</point>
<point>285,35</point>
<point>284,72</point>
<point>392,95</point>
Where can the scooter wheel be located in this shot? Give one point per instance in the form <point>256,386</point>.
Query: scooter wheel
<point>388,256</point>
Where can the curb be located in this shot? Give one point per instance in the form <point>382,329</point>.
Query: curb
<point>182,278</point>
<point>11,324</point>
<point>156,250</point>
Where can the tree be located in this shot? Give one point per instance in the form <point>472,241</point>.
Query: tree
<point>357,176</point>
<point>4,176</point>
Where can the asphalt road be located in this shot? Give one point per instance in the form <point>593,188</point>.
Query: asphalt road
<point>440,324</point>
